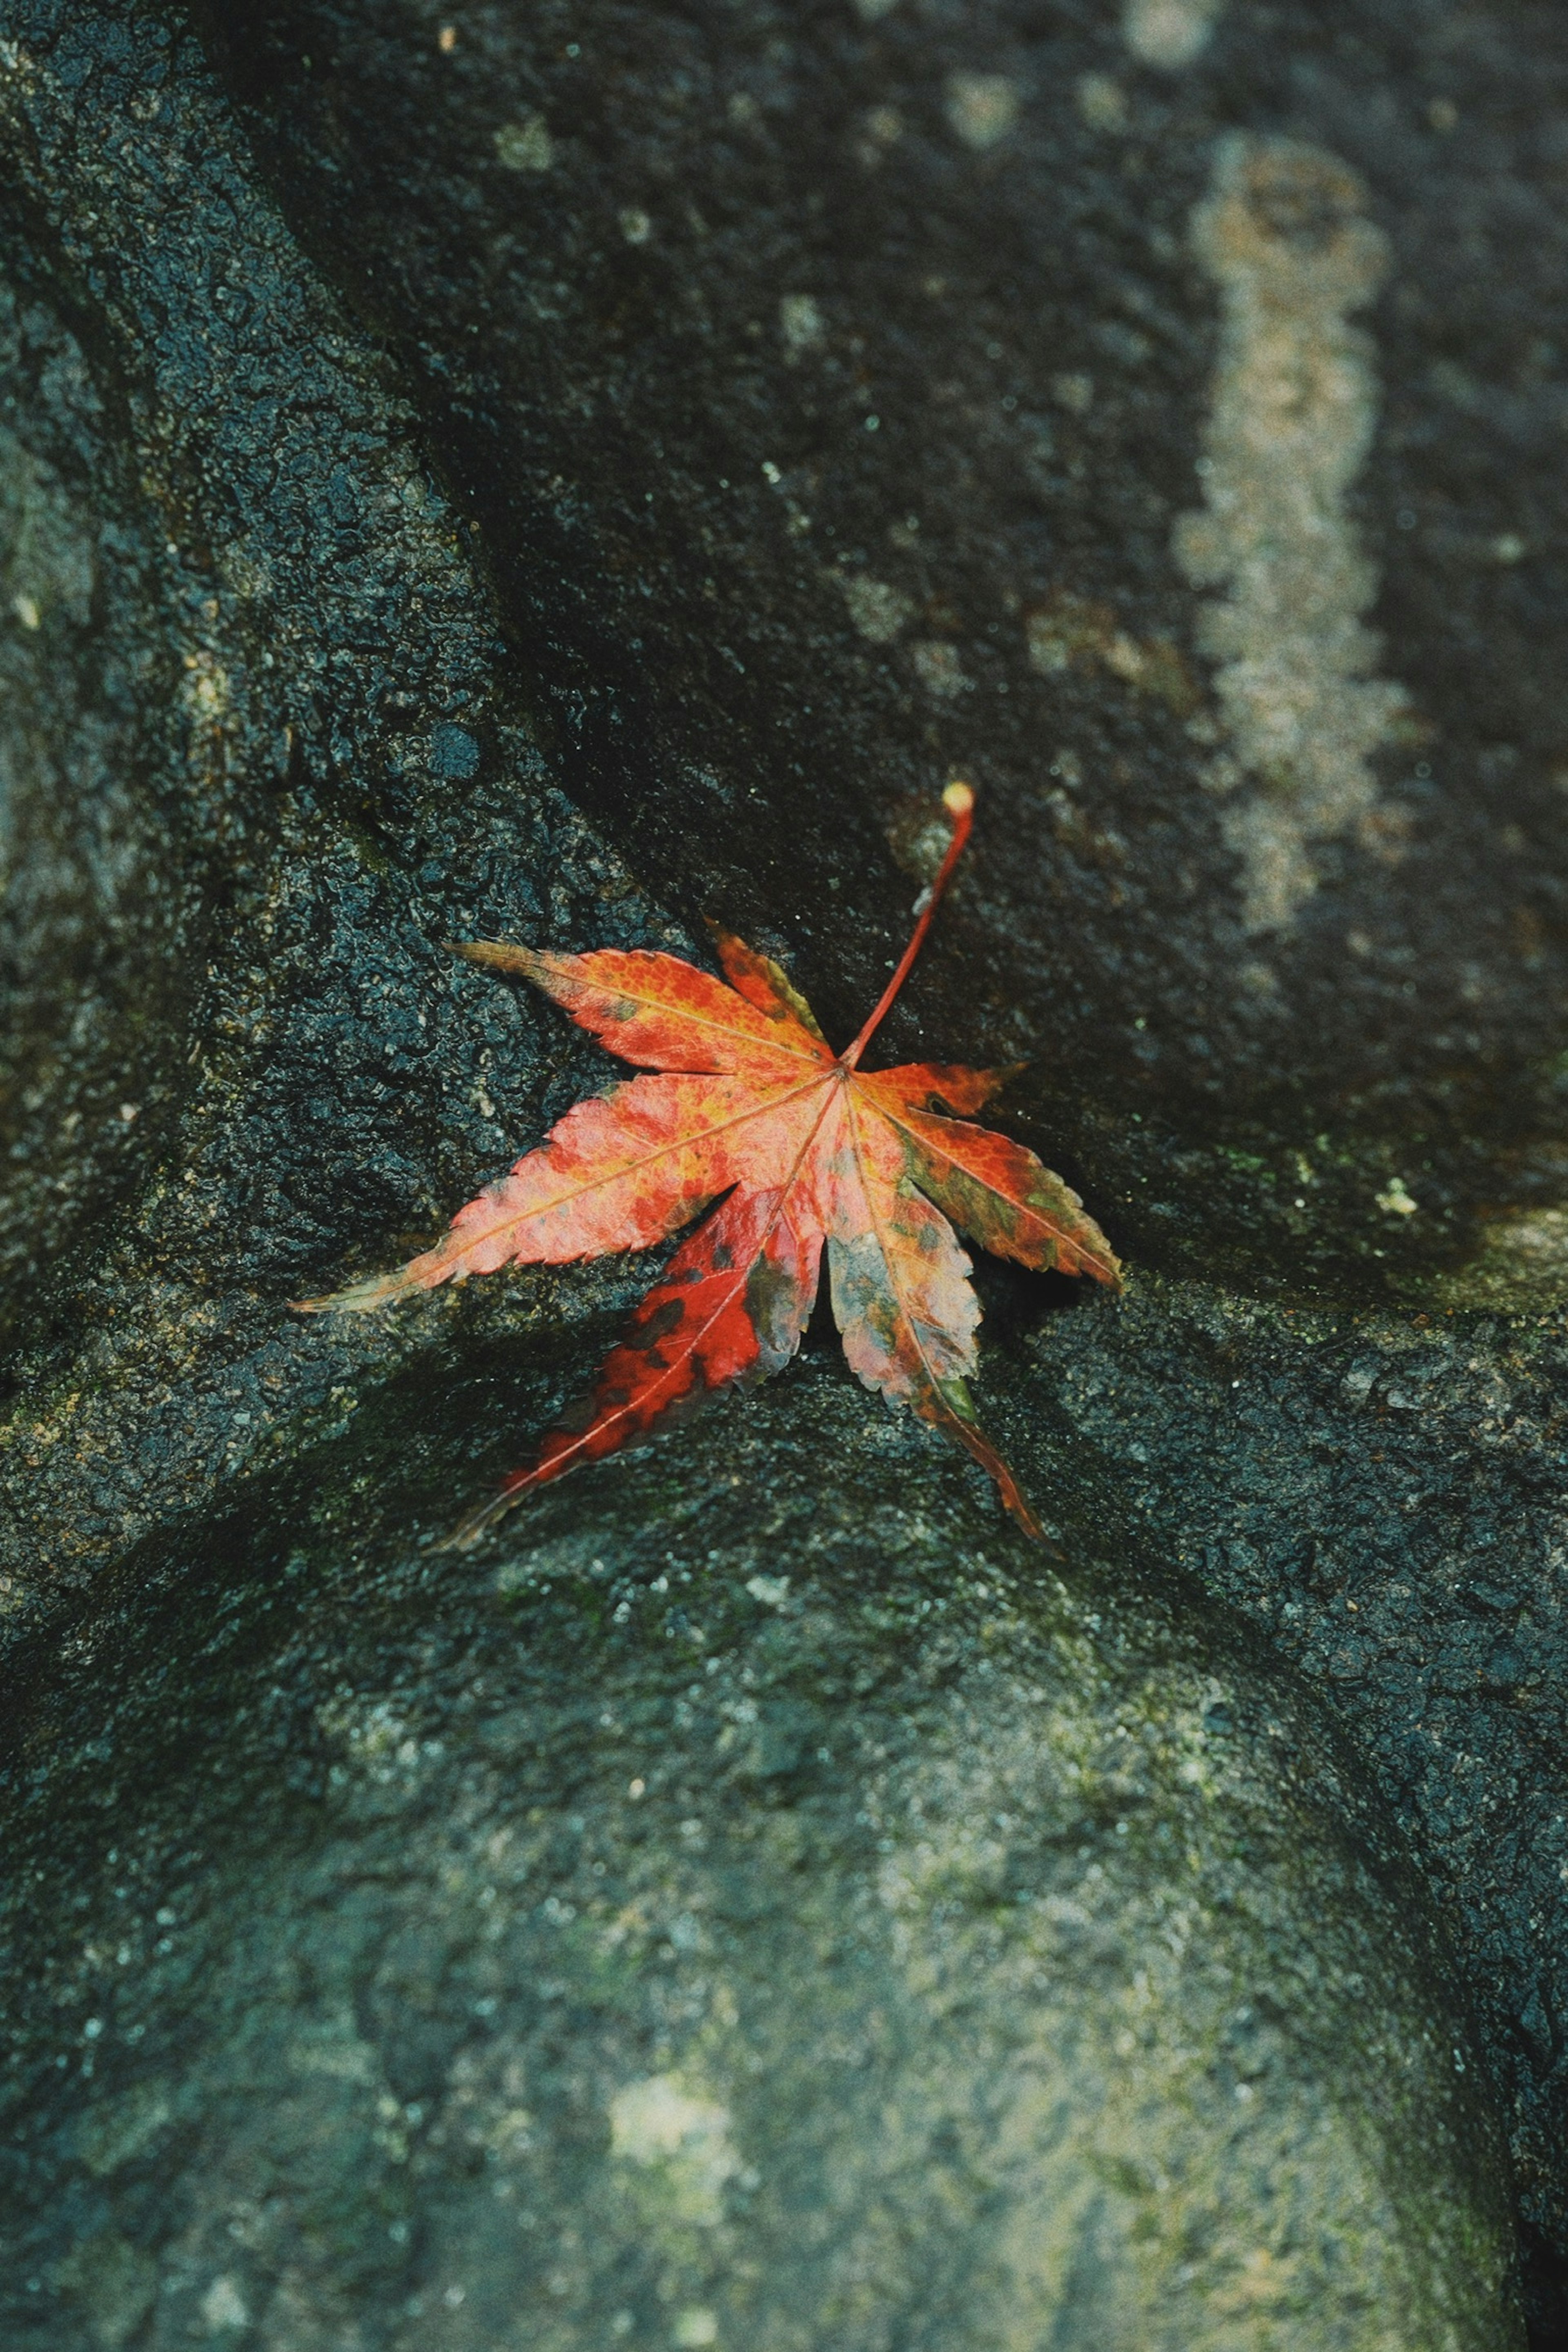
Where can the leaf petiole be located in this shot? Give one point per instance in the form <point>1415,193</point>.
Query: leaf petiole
<point>959,801</point>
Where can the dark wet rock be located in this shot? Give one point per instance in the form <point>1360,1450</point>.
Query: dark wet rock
<point>303,677</point>
<point>229,924</point>
<point>739,1918</point>
<point>1177,452</point>
<point>105,873</point>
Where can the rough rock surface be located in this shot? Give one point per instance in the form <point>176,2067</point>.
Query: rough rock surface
<point>690,437</point>
<point>1177,454</point>
<point>652,1943</point>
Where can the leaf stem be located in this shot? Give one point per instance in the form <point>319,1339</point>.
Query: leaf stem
<point>959,801</point>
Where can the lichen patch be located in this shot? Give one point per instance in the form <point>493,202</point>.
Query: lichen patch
<point>526,145</point>
<point>1102,102</point>
<point>939,669</point>
<point>877,610</point>
<point>1284,234</point>
<point>801,323</point>
<point>1169,32</point>
<point>983,108</point>
<point>657,2125</point>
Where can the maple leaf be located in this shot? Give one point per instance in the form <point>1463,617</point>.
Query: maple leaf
<point>743,1099</point>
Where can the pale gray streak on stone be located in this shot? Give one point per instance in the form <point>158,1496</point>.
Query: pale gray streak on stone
<point>1283,233</point>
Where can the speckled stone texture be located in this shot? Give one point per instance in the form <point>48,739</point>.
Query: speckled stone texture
<point>572,473</point>
<point>743,1916</point>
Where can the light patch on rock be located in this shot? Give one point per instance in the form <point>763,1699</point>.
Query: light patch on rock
<point>1283,232</point>
<point>801,323</point>
<point>877,611</point>
<point>982,108</point>
<point>113,2283</point>
<point>939,669</point>
<point>526,145</point>
<point>1523,1264</point>
<point>1395,1201</point>
<point>46,551</point>
<point>205,689</point>
<point>376,1740</point>
<point>656,2123</point>
<point>635,226</point>
<point>223,2305</point>
<point>1169,32</point>
<point>248,571</point>
<point>1102,102</point>
<point>117,2131</point>
<point>329,2049</point>
<point>871,9</point>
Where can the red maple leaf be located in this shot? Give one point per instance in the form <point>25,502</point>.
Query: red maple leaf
<point>751,1103</point>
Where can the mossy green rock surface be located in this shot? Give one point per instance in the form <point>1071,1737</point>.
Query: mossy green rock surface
<point>836,1929</point>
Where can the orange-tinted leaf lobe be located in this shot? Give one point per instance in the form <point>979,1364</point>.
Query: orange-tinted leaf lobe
<point>729,1308</point>
<point>662,1013</point>
<point>998,1192</point>
<point>766,985</point>
<point>749,1103</point>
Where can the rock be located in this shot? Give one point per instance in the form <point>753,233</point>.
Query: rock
<point>310,669</point>
<point>244,809</point>
<point>1155,415</point>
<point>734,1919</point>
<point>103,878</point>
<point>1381,1496</point>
